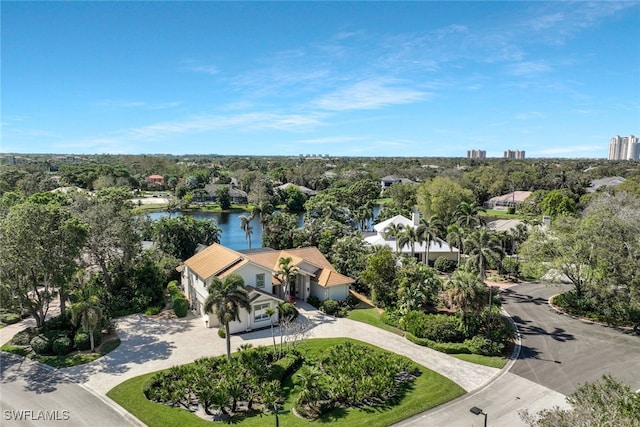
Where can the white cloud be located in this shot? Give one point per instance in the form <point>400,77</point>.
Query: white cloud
<point>369,94</point>
<point>529,68</point>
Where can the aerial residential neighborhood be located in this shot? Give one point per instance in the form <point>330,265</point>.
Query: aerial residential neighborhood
<point>302,213</point>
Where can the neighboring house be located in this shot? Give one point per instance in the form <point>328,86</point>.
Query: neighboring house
<point>389,180</point>
<point>437,249</point>
<point>237,196</point>
<point>259,269</point>
<point>304,190</point>
<point>503,224</point>
<point>155,179</point>
<point>611,181</point>
<point>508,200</point>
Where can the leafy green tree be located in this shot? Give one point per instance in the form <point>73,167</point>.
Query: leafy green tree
<point>379,276</point>
<point>557,203</point>
<point>225,300</point>
<point>279,231</point>
<point>40,246</point>
<point>263,211</point>
<point>294,199</point>
<point>607,402</point>
<point>348,255</point>
<point>484,249</point>
<point>180,236</point>
<point>441,197</point>
<point>223,197</point>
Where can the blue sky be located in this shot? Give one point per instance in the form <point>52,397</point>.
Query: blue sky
<point>557,79</point>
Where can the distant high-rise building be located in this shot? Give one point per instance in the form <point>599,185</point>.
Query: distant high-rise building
<point>624,148</point>
<point>511,154</point>
<point>476,154</point>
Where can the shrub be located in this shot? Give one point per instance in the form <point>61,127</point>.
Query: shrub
<point>24,336</point>
<point>222,333</point>
<point>449,348</point>
<point>330,306</point>
<point>445,265</point>
<point>441,328</point>
<point>284,367</point>
<point>62,322</point>
<point>484,346</point>
<point>414,322</point>
<point>173,288</point>
<point>61,346</point>
<point>41,344</point>
<point>286,310</point>
<point>314,301</point>
<point>152,311</point>
<point>9,318</point>
<point>511,210</point>
<point>180,306</point>
<point>82,341</point>
<point>392,318</point>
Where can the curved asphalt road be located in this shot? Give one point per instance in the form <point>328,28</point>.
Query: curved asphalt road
<point>561,352</point>
<point>34,395</point>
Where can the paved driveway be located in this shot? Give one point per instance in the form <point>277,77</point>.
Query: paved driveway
<point>561,352</point>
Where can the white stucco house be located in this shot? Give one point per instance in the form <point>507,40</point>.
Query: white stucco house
<point>437,249</point>
<point>259,270</point>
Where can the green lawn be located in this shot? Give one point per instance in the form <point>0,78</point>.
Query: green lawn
<point>372,317</point>
<point>492,361</point>
<point>429,390</point>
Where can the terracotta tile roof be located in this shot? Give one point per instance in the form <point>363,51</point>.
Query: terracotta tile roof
<point>215,260</point>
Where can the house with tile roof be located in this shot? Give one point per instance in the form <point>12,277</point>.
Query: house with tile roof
<point>259,269</point>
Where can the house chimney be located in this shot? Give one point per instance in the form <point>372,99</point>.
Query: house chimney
<point>415,217</point>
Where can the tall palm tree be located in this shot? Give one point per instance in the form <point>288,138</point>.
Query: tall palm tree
<point>408,236</point>
<point>262,210</point>
<point>519,233</point>
<point>88,313</point>
<point>466,291</point>
<point>467,215</point>
<point>455,235</point>
<point>225,300</point>
<point>392,230</point>
<point>483,248</point>
<point>286,274</point>
<point>429,230</point>
<point>245,225</point>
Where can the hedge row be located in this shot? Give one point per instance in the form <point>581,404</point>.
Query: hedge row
<point>476,345</point>
<point>179,303</point>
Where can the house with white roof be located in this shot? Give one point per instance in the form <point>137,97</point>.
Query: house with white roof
<point>259,269</point>
<point>437,248</point>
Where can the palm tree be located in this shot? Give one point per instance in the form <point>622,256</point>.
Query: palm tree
<point>88,313</point>
<point>245,225</point>
<point>519,233</point>
<point>466,291</point>
<point>467,215</point>
<point>429,230</point>
<point>455,234</point>
<point>225,300</point>
<point>286,274</point>
<point>484,247</point>
<point>262,210</point>
<point>392,230</point>
<point>408,236</point>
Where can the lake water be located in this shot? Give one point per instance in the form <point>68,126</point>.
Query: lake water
<point>231,234</point>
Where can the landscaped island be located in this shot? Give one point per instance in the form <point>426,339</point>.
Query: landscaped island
<point>329,380</point>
